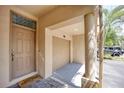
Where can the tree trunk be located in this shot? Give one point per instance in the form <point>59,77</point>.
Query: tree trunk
<point>101,47</point>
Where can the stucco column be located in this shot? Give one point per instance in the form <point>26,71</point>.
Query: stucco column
<point>90,46</point>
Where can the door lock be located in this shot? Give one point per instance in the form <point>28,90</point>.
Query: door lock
<point>12,54</point>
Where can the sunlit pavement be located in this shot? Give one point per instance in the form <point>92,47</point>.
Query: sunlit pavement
<point>113,74</point>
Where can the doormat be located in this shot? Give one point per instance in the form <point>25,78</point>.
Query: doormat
<point>28,81</point>
<point>50,82</point>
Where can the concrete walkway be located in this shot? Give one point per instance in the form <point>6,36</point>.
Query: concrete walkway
<point>113,74</point>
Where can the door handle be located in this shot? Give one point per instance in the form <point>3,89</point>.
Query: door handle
<point>12,54</point>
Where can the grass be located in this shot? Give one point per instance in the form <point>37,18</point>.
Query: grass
<point>118,58</point>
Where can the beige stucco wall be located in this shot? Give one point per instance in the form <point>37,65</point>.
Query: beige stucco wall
<point>78,49</point>
<point>4,41</point>
<point>60,14</point>
<point>61,51</point>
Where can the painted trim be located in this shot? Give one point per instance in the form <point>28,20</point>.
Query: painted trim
<point>24,27</point>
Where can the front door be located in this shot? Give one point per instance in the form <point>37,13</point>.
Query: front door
<point>23,51</point>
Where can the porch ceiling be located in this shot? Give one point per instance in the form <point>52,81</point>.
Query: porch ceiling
<point>37,10</point>
<point>74,29</point>
<point>73,26</point>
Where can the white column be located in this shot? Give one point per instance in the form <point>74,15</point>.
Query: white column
<point>90,46</point>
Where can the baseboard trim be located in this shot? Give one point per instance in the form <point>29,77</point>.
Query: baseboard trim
<point>21,78</point>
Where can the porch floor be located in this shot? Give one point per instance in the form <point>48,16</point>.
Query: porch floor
<point>67,76</point>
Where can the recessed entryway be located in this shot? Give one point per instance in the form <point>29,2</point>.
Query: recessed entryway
<point>64,44</point>
<point>61,52</point>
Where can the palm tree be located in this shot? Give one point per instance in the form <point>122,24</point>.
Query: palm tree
<point>109,24</point>
<point>112,21</point>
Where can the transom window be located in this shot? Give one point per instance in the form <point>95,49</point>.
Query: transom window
<point>20,20</point>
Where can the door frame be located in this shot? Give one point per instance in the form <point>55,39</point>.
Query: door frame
<point>10,47</point>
